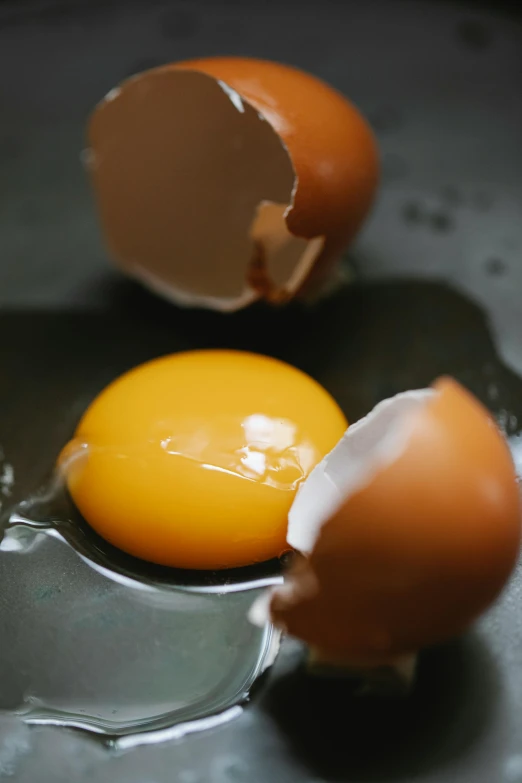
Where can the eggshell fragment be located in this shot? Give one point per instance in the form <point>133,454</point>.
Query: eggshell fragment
<point>367,447</point>
<point>224,180</point>
<point>419,533</point>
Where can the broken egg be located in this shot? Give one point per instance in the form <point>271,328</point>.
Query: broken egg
<point>220,181</point>
<point>409,530</point>
<point>193,460</point>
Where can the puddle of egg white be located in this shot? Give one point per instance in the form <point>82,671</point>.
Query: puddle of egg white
<point>135,659</point>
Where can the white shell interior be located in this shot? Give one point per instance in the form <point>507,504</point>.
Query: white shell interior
<point>367,447</point>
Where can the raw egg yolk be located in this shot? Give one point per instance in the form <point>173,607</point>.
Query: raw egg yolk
<point>193,460</point>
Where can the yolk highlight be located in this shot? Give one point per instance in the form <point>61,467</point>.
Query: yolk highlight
<point>193,460</point>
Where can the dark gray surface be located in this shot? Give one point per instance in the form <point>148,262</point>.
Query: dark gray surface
<point>442,86</point>
<point>440,82</point>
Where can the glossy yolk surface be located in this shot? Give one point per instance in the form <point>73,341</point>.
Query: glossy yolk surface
<point>193,460</point>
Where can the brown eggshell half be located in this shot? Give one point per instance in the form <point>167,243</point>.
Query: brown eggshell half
<point>180,168</point>
<point>225,180</point>
<point>331,145</point>
<point>419,545</point>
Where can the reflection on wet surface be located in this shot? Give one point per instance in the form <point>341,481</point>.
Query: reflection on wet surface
<point>93,641</point>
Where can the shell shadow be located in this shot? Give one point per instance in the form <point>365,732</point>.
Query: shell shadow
<point>366,342</point>
<point>341,736</point>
